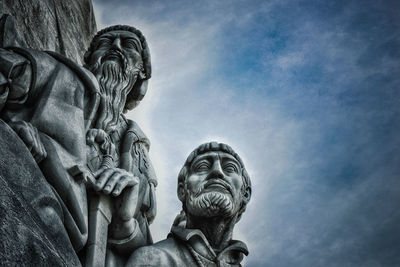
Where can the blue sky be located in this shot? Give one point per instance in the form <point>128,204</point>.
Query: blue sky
<point>307,92</point>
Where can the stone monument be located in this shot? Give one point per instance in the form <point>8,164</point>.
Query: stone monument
<point>214,189</point>
<point>76,172</point>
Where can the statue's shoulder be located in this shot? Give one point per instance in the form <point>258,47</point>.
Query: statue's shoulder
<point>36,57</point>
<point>87,77</point>
<point>44,63</point>
<point>163,253</point>
<point>137,132</point>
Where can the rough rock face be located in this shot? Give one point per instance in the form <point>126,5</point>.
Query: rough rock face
<point>25,239</point>
<point>66,27</point>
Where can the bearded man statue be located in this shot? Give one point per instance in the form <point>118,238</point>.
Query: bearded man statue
<point>214,189</point>
<point>95,175</point>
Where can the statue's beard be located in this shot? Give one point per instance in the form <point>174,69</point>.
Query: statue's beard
<point>115,82</point>
<point>210,204</point>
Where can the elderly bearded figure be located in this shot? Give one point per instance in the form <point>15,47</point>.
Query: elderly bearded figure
<point>119,57</point>
<point>214,189</point>
<point>71,120</point>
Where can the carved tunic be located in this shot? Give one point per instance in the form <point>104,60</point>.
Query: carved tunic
<point>187,247</point>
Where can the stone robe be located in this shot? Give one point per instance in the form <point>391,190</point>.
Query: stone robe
<point>61,102</point>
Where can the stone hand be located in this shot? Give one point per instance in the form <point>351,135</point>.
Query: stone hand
<point>126,206</point>
<point>30,136</point>
<point>99,136</point>
<point>113,180</point>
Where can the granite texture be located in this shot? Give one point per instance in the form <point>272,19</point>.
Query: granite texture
<point>66,27</point>
<point>25,239</point>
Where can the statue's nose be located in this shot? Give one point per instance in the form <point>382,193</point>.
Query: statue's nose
<point>117,44</point>
<point>216,171</point>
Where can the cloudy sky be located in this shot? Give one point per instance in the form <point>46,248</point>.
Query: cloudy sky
<point>307,92</point>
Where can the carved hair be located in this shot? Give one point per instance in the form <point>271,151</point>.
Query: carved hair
<point>140,84</point>
<point>214,146</point>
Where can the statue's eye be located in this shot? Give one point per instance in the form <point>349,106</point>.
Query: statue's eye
<point>202,166</point>
<point>130,44</point>
<point>104,42</point>
<point>230,168</point>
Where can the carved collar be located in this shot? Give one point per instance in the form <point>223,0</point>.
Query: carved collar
<point>198,244</point>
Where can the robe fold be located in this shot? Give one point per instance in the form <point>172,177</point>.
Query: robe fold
<point>61,101</point>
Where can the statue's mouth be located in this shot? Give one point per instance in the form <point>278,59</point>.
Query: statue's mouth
<point>218,185</point>
<point>113,55</point>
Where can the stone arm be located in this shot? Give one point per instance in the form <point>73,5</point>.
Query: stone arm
<point>15,82</point>
<point>137,206</point>
<point>15,77</point>
<point>135,158</point>
<point>149,204</point>
<point>129,179</point>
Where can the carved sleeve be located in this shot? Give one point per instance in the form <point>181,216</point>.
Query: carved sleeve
<point>135,158</point>
<point>147,174</point>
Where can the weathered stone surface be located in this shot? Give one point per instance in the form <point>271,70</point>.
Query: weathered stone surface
<point>65,141</point>
<point>71,121</point>
<point>25,239</point>
<point>66,27</point>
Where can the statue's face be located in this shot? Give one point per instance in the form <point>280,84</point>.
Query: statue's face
<point>123,47</point>
<point>213,186</point>
<point>117,64</point>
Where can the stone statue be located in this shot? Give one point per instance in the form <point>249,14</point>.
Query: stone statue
<point>100,195</point>
<point>214,189</point>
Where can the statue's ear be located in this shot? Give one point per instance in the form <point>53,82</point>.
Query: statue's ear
<point>246,195</point>
<point>137,93</point>
<point>139,89</point>
<point>181,192</point>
